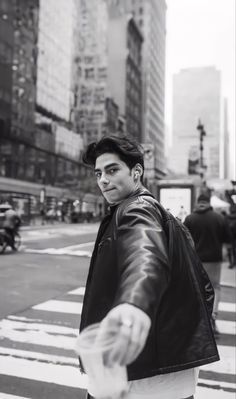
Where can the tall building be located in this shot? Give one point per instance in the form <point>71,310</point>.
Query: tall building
<point>39,147</point>
<point>197,95</point>
<point>150,16</point>
<point>19,36</point>
<point>124,71</point>
<point>226,143</point>
<point>92,62</point>
<point>6,72</point>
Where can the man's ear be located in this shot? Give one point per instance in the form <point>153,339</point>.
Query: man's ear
<point>138,170</point>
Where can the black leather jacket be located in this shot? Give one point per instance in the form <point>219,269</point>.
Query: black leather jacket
<point>137,260</point>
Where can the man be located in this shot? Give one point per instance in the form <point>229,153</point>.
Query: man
<point>163,329</point>
<point>209,231</point>
<point>11,225</point>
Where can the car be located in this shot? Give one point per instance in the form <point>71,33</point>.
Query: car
<point>3,209</point>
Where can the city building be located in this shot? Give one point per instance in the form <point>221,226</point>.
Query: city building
<point>124,71</point>
<point>226,143</point>
<point>150,16</point>
<point>90,92</point>
<point>37,80</point>
<point>6,72</point>
<point>197,95</point>
<point>102,93</point>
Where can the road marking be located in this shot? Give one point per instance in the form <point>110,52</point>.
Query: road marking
<point>7,396</point>
<point>58,251</point>
<point>226,365</point>
<point>77,246</point>
<point>203,393</point>
<point>227,307</point>
<point>222,384</point>
<point>77,291</point>
<point>39,337</point>
<point>226,327</point>
<point>9,324</point>
<point>40,357</point>
<point>60,306</point>
<point>56,374</point>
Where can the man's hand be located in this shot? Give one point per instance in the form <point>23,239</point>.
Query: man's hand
<point>132,326</point>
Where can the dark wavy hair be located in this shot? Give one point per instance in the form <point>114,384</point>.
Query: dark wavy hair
<point>128,150</point>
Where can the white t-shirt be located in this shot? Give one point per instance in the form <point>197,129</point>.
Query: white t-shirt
<point>178,385</point>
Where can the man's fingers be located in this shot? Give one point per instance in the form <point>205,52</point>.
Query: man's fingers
<point>120,346</point>
<point>136,345</point>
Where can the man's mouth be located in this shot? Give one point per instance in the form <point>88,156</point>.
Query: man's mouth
<point>110,189</point>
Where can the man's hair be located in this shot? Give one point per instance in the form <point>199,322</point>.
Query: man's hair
<point>128,150</point>
<point>203,198</point>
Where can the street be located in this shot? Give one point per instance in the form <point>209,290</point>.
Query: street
<point>41,297</point>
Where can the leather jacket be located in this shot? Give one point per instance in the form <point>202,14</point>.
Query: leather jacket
<point>137,260</point>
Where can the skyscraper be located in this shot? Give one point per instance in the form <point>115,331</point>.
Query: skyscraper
<point>150,16</point>
<point>92,62</point>
<point>125,71</point>
<point>38,147</point>
<point>197,95</point>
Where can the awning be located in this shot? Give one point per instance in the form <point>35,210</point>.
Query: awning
<point>216,202</point>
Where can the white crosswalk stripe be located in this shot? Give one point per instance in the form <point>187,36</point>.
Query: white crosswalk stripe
<point>33,349</point>
<point>60,306</point>
<point>6,396</point>
<point>84,249</point>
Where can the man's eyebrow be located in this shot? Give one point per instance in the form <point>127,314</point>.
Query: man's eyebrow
<point>107,167</point>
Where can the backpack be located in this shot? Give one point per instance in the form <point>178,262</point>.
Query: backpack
<point>182,249</point>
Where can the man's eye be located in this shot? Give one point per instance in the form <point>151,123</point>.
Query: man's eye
<point>112,171</point>
<point>98,175</point>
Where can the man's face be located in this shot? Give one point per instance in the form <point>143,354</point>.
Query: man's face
<point>114,178</point>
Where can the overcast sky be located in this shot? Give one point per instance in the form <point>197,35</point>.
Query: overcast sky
<point>202,33</point>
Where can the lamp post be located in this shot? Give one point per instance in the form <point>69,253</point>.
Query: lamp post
<point>202,133</point>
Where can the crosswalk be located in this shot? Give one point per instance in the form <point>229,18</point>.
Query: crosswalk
<point>84,250</point>
<point>38,359</point>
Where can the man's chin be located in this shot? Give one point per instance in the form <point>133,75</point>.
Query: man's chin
<point>110,198</point>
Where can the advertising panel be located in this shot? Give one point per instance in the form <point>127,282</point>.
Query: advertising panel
<point>177,200</point>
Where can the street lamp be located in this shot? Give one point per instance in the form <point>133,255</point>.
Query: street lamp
<point>202,132</point>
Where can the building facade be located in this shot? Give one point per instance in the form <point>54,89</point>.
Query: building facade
<point>125,71</point>
<point>197,95</point>
<point>91,70</point>
<point>39,146</point>
<point>150,16</point>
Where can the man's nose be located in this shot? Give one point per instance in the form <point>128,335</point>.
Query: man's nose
<point>104,180</point>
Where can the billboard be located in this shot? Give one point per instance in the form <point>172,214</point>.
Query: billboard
<point>177,200</point>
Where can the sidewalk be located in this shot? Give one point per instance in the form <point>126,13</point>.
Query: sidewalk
<point>228,276</point>
<point>56,225</point>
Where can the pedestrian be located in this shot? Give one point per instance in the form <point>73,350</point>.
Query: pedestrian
<point>11,224</point>
<point>209,231</point>
<point>163,327</point>
<point>182,214</point>
<point>231,219</point>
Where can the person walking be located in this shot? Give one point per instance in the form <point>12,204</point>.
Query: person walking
<point>209,231</point>
<point>11,225</point>
<point>158,307</point>
<point>231,219</point>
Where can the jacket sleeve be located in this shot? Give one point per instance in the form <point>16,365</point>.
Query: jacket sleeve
<point>142,257</point>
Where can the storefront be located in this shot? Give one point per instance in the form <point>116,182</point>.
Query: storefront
<point>28,200</point>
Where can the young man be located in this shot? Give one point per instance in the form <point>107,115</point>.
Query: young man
<point>163,328</point>
<point>209,230</point>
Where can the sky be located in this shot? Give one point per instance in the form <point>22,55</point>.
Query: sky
<point>202,33</point>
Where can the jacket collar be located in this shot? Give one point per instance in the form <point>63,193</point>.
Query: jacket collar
<point>135,194</point>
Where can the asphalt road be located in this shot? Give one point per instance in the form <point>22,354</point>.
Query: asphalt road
<point>41,297</point>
